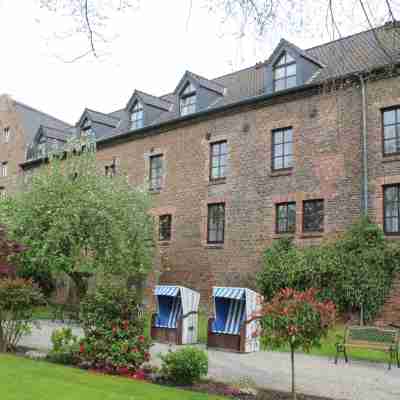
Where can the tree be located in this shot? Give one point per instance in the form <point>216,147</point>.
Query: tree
<point>260,17</point>
<point>75,220</point>
<point>298,320</point>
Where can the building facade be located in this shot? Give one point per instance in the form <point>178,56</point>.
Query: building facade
<point>303,144</point>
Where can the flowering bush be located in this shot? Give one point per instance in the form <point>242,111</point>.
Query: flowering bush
<point>114,340</point>
<point>18,298</point>
<point>297,319</point>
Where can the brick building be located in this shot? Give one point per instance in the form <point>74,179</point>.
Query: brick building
<point>302,144</point>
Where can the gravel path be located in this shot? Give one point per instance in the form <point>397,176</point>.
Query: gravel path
<point>315,375</point>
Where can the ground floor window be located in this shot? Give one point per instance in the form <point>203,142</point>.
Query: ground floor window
<point>216,223</point>
<point>313,216</point>
<point>286,218</point>
<point>391,205</point>
<point>165,227</point>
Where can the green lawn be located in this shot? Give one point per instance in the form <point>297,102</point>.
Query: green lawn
<point>23,379</point>
<point>328,349</point>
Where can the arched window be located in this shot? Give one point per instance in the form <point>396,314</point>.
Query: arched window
<point>285,72</point>
<point>187,101</point>
<point>137,116</point>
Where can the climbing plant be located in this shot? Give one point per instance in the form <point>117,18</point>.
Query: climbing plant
<point>355,271</point>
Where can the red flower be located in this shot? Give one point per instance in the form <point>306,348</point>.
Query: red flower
<point>147,356</point>
<point>135,350</point>
<point>81,348</point>
<point>141,339</point>
<point>126,324</point>
<point>114,330</point>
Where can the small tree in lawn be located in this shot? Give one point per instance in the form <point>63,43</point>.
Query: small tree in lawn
<point>298,320</point>
<point>77,221</point>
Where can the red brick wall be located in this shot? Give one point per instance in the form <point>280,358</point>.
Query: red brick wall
<point>326,129</point>
<point>327,165</point>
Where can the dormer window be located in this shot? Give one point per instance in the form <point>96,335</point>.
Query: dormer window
<point>87,129</point>
<point>137,116</point>
<point>187,102</point>
<point>285,72</point>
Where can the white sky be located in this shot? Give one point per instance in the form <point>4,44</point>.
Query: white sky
<point>151,48</point>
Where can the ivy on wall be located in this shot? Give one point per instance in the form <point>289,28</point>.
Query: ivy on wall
<point>355,271</point>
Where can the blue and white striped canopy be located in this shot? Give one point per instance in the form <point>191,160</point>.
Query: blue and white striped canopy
<point>166,291</point>
<point>229,292</point>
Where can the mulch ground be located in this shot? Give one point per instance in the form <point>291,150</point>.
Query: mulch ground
<point>222,389</point>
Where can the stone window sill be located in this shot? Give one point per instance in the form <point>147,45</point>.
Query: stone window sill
<point>311,235</point>
<point>275,174</point>
<point>214,246</point>
<point>283,235</point>
<point>154,191</point>
<point>391,158</point>
<point>219,181</point>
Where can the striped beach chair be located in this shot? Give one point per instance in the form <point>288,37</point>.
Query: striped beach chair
<point>176,318</point>
<point>235,325</point>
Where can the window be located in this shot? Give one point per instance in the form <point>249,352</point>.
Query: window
<point>87,130</point>
<point>165,227</point>
<point>391,131</point>
<point>137,116</point>
<point>285,72</point>
<point>391,205</point>
<point>218,155</point>
<point>282,149</point>
<point>6,134</point>
<point>216,223</point>
<point>156,172</point>
<point>187,103</point>
<point>3,169</point>
<point>286,218</point>
<point>111,169</point>
<point>3,193</point>
<point>313,216</point>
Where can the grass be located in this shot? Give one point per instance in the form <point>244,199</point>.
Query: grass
<point>327,349</point>
<point>23,379</point>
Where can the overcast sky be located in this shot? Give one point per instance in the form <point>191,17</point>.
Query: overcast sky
<point>150,49</point>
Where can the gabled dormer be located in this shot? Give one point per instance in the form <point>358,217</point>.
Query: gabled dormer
<point>94,124</point>
<point>143,109</point>
<point>288,67</point>
<point>196,93</point>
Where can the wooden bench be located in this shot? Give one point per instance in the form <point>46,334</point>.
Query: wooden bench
<point>370,337</point>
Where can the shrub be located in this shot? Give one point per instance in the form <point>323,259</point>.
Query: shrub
<point>18,299</point>
<point>114,340</point>
<point>355,271</point>
<point>65,346</point>
<point>296,319</point>
<point>185,366</point>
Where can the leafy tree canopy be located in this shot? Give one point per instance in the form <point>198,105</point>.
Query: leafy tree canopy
<point>75,220</point>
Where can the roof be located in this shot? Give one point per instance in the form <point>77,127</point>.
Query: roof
<point>32,119</point>
<point>99,117</point>
<point>204,82</point>
<point>149,99</point>
<point>358,53</point>
<point>53,133</point>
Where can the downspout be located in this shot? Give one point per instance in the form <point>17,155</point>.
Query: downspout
<point>364,206</point>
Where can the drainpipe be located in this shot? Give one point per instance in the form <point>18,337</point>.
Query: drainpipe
<point>364,206</point>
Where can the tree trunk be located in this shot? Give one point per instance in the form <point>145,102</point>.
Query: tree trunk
<point>293,381</point>
<point>81,284</point>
